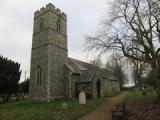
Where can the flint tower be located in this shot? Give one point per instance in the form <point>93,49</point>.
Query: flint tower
<point>49,54</point>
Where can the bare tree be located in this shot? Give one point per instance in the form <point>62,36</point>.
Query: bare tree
<point>140,68</point>
<point>96,62</point>
<point>134,26</point>
<point>115,66</point>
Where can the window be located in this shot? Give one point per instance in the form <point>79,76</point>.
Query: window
<point>83,87</point>
<point>59,25</point>
<point>58,40</point>
<point>38,76</point>
<point>41,24</point>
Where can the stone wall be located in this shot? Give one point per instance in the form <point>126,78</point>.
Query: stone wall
<point>57,82</point>
<point>110,86</point>
<point>50,52</point>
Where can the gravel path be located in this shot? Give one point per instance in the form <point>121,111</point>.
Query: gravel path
<point>103,112</point>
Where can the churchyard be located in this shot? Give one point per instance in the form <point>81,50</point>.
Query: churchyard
<point>64,109</point>
<point>59,85</point>
<point>138,106</point>
<point>27,110</point>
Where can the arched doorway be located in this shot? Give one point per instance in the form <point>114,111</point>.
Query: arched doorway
<point>98,88</point>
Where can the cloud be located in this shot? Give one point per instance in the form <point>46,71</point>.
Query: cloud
<point>16,26</point>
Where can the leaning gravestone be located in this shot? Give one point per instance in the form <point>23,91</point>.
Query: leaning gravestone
<point>82,98</point>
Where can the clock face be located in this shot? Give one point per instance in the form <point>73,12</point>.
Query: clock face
<point>59,40</point>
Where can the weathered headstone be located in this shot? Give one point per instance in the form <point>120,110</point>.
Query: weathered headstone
<point>64,105</point>
<point>82,98</point>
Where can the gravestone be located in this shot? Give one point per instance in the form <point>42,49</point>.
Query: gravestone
<point>82,98</point>
<point>64,105</point>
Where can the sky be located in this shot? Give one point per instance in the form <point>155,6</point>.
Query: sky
<point>16,26</point>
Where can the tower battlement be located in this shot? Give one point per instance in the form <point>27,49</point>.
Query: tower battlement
<point>50,7</point>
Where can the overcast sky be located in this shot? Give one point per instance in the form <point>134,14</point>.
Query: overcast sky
<point>16,26</point>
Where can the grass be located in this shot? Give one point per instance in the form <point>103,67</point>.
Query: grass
<point>132,95</point>
<point>25,110</point>
<point>112,94</point>
<point>136,94</point>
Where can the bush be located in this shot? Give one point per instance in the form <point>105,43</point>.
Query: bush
<point>9,78</point>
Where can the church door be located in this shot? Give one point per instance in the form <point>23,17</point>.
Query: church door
<point>98,88</point>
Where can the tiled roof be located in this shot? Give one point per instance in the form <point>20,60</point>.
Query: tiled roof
<point>79,66</point>
<point>87,71</point>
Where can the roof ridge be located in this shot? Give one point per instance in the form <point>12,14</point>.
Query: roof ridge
<point>81,61</point>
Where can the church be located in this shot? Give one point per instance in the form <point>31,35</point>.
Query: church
<point>53,74</point>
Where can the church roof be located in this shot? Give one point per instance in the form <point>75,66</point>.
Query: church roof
<point>87,71</point>
<point>79,66</point>
<point>87,76</point>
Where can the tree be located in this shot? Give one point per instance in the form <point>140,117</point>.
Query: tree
<point>96,62</point>
<point>9,77</point>
<point>141,70</point>
<point>115,66</point>
<point>150,79</point>
<point>138,71</point>
<point>134,26</point>
<point>24,86</point>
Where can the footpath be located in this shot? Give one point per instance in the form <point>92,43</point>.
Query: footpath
<point>103,112</point>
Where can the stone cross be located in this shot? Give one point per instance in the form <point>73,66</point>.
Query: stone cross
<point>82,98</point>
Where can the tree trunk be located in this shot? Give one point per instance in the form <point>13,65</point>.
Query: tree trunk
<point>158,85</point>
<point>156,78</point>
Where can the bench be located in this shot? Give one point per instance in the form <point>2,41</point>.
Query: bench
<point>120,112</point>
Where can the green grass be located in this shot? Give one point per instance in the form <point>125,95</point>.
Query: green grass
<point>132,95</point>
<point>112,94</point>
<point>25,110</point>
<point>136,94</point>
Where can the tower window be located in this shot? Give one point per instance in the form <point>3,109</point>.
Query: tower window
<point>59,25</point>
<point>41,24</point>
<point>38,76</point>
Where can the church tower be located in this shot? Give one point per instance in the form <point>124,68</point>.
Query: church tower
<point>49,54</point>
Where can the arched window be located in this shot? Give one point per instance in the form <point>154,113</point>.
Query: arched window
<point>41,24</point>
<point>59,25</point>
<point>38,76</point>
